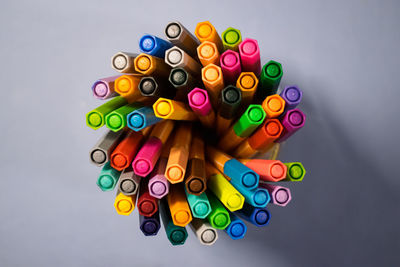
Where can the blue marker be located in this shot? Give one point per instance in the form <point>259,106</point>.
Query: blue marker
<point>241,176</point>
<point>150,225</point>
<point>153,45</point>
<point>257,216</point>
<point>258,197</point>
<point>236,229</point>
<point>142,118</point>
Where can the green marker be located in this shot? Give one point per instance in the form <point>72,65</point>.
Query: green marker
<point>270,78</point>
<point>116,120</point>
<point>219,216</point>
<point>249,121</point>
<point>295,171</point>
<point>176,234</point>
<point>108,177</point>
<point>231,38</point>
<point>96,118</point>
<point>199,205</point>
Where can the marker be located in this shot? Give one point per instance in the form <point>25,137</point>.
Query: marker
<point>156,87</point>
<point>125,151</point>
<point>153,45</point>
<point>250,56</point>
<point>204,232</point>
<point>231,98</point>
<point>108,178</point>
<point>236,229</point>
<point>223,189</point>
<point>104,88</point>
<point>247,83</point>
<point>292,96</point>
<point>150,225</point>
<point>219,216</point>
<point>231,38</point>
<point>128,182</point>
<point>256,216</point>
<point>179,154</point>
<point>205,31</point>
<point>241,176</point>
<point>269,170</point>
<point>258,197</point>
<point>273,105</point>
<point>295,172</point>
<point>176,57</point>
<point>123,62</point>
<point>150,152</point>
<point>280,195</point>
<point>261,139</point>
<point>201,105</point>
<point>178,206</point>
<point>116,120</point>
<point>173,110</point>
<point>95,118</point>
<point>213,81</point>
<point>101,151</point>
<point>292,121</point>
<point>147,204</point>
<point>176,235</point>
<point>124,205</point>
<point>127,87</point>
<point>178,35</point>
<point>244,127</point>
<point>183,82</point>
<point>230,66</point>
<point>270,78</point>
<point>199,205</point>
<point>151,66</point>
<point>142,118</point>
<point>207,53</point>
<point>158,184</point>
<point>196,180</point>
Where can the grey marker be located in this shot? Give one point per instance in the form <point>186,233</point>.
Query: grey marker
<point>123,62</point>
<point>180,36</point>
<point>204,232</point>
<point>177,57</point>
<point>102,150</point>
<point>128,182</point>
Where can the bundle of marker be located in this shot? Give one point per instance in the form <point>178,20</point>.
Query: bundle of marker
<point>185,118</point>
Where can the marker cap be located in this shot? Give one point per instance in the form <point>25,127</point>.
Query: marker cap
<point>292,121</point>
<point>104,88</point>
<point>206,234</point>
<point>241,176</point>
<point>195,181</point>
<point>123,62</point>
<point>155,87</point>
<point>247,83</point>
<point>231,98</point>
<point>236,229</point>
<point>219,216</point>
<point>205,31</point>
<point>292,96</point>
<point>256,216</point>
<point>266,134</point>
<point>258,197</point>
<point>124,205</point>
<point>230,66</point>
<point>142,118</point>
<point>231,38</point>
<point>250,56</point>
<point>149,65</point>
<point>208,53</point>
<point>174,110</point>
<point>177,57</point>
<point>158,184</point>
<point>147,204</point>
<point>199,101</point>
<point>213,79</point>
<point>280,195</point>
<point>178,205</point>
<point>150,225</point>
<point>199,205</point>
<point>295,172</point>
<point>270,78</point>
<point>269,170</point>
<point>125,151</point>
<point>249,121</point>
<point>128,182</point>
<point>108,178</point>
<point>273,105</point>
<point>101,151</point>
<point>153,45</point>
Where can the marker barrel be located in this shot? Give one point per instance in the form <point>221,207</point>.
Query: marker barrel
<point>231,38</point>
<point>280,195</point>
<point>150,225</point>
<point>256,216</point>
<point>177,57</point>
<point>270,78</point>
<point>208,53</point>
<point>104,88</point>
<point>273,105</point>
<point>156,87</point>
<point>241,176</point>
<point>123,62</point>
<point>292,96</point>
<point>178,206</point>
<point>201,105</point>
<point>247,83</point>
<point>173,110</point>
<point>199,205</point>
<point>153,45</point>
<point>125,151</point>
<point>292,121</point>
<point>127,87</point>
<point>266,134</point>
<point>258,197</point>
<point>162,130</point>
<point>108,178</point>
<point>183,82</point>
<point>269,170</point>
<point>295,172</point>
<point>230,66</point>
<point>142,118</point>
<point>151,66</point>
<point>177,235</point>
<point>217,158</point>
<point>96,118</point>
<point>213,81</point>
<point>230,102</point>
<point>128,182</point>
<point>195,181</point>
<point>147,204</point>
<point>117,119</point>
<point>219,216</point>
<point>158,184</point>
<point>205,31</point>
<point>206,234</point>
<point>124,205</point>
<point>147,157</point>
<point>249,52</point>
<point>178,35</point>
<point>101,151</point>
<point>236,229</point>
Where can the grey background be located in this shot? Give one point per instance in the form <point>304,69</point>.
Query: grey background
<point>343,54</point>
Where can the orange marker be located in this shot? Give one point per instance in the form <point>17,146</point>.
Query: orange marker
<point>205,31</point>
<point>247,83</point>
<point>208,53</point>
<point>178,206</point>
<point>273,105</point>
<point>217,158</point>
<point>213,81</point>
<point>179,154</point>
<point>173,110</point>
<point>127,86</point>
<point>269,170</point>
<point>124,153</point>
<point>151,66</point>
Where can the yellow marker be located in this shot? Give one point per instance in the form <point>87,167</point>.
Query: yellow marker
<point>178,206</point>
<point>124,205</point>
<point>247,83</point>
<point>205,31</point>
<point>213,81</point>
<point>150,65</point>
<point>173,110</point>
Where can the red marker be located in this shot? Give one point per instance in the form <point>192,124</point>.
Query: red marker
<point>269,170</point>
<point>147,204</point>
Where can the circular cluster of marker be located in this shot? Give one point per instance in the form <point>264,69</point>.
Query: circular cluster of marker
<point>185,119</point>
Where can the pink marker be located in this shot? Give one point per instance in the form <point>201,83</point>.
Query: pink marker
<point>158,184</point>
<point>280,195</point>
<point>250,56</point>
<point>201,105</point>
<point>230,65</point>
<point>104,88</point>
<point>147,157</point>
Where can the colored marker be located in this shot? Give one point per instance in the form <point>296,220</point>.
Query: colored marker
<point>147,204</point>
<point>219,216</point>
<point>151,66</point>
<point>158,184</point>
<point>153,45</point>
<point>270,78</point>
<point>204,232</point>
<point>179,154</point>
<point>108,178</point>
<point>250,56</point>
<point>104,88</point>
<point>201,105</point>
<point>256,216</point>
<point>223,189</point>
<point>177,57</point>
<point>101,151</point>
<point>292,121</point>
<point>177,235</point>
<point>117,119</point>
<point>150,152</point>
<point>178,206</point>
<point>230,66</point>
<point>127,87</point>
<point>236,229</point>
<point>128,182</point>
<point>196,180</point>
<point>207,53</point>
<point>199,205</point>
<point>231,38</point>
<point>205,31</point>
<point>273,105</point>
<point>241,176</point>
<point>269,170</point>
<point>292,96</point>
<point>258,197</point>
<point>183,82</point>
<point>150,225</point>
<point>247,83</point>
<point>280,195</point>
<point>95,118</point>
<point>173,110</point>
<point>156,87</point>
<point>124,205</point>
<point>125,151</point>
<point>142,118</point>
<point>213,81</point>
<point>231,98</point>
<point>178,35</point>
<point>295,172</point>
<point>123,62</point>
<point>244,127</point>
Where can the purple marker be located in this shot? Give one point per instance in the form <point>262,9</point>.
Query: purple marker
<point>158,184</point>
<point>292,96</point>
<point>147,157</point>
<point>150,225</point>
<point>104,88</point>
<point>292,121</point>
<point>250,56</point>
<point>230,65</point>
<point>280,195</point>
